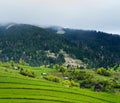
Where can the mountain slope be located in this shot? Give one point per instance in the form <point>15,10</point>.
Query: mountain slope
<point>29,43</point>
<point>104,49</point>
<point>35,45</point>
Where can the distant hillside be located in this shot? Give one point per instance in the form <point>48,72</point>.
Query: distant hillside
<point>101,48</point>
<point>38,46</point>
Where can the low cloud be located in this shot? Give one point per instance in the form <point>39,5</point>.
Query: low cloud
<point>83,14</point>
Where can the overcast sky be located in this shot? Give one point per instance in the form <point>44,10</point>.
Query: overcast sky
<point>101,15</point>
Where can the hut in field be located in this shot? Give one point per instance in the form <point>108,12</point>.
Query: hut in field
<point>15,68</point>
<point>44,74</point>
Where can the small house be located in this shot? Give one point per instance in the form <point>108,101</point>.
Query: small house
<point>15,68</point>
<point>66,78</point>
<point>44,74</point>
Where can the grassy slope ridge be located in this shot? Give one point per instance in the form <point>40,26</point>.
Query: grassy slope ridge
<point>15,88</point>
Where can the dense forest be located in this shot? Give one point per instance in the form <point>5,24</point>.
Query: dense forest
<point>34,45</point>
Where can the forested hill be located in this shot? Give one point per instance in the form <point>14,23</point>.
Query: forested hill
<point>103,48</point>
<point>38,46</point>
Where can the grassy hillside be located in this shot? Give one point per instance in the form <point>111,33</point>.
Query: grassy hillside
<point>16,88</point>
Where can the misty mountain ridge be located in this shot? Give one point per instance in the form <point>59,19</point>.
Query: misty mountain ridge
<point>53,27</point>
<point>32,43</point>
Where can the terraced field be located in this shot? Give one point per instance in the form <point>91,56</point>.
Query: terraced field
<point>15,88</point>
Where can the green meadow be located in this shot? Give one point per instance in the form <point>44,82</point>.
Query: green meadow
<point>16,88</point>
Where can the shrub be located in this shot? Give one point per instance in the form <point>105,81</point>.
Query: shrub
<point>104,85</point>
<point>12,63</point>
<point>103,71</point>
<point>80,75</point>
<point>27,73</point>
<point>66,82</point>
<point>74,84</point>
<point>22,62</point>
<point>116,82</point>
<point>97,85</point>
<point>70,83</point>
<point>52,78</point>
<point>56,67</point>
<point>87,83</point>
<point>63,69</point>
